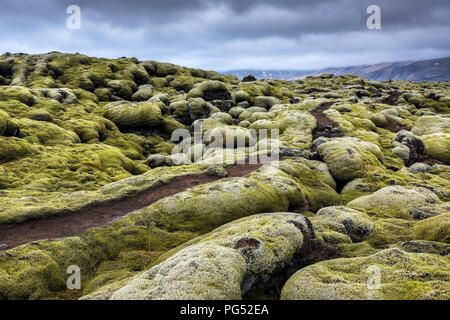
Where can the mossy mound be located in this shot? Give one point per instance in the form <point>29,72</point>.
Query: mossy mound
<point>352,223</point>
<point>141,114</point>
<point>402,276</point>
<point>365,161</point>
<point>216,265</point>
<point>395,201</point>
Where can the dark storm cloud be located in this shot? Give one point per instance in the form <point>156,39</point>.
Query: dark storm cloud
<point>221,34</point>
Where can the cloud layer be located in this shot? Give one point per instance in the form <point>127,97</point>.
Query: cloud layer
<point>232,34</point>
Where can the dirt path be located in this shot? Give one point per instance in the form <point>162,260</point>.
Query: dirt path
<point>14,235</point>
<point>324,126</point>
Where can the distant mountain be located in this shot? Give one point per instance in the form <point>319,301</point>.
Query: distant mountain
<point>271,74</point>
<point>424,70</point>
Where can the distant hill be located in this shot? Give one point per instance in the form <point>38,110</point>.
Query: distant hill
<point>424,70</point>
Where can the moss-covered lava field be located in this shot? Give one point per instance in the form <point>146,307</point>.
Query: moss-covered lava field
<point>90,175</point>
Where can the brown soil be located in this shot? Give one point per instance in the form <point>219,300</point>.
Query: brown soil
<point>14,235</point>
<point>393,97</point>
<point>324,126</point>
<point>416,154</point>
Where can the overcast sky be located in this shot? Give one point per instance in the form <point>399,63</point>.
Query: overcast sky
<point>232,34</point>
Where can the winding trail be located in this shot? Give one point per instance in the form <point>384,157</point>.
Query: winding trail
<point>324,127</point>
<point>14,235</point>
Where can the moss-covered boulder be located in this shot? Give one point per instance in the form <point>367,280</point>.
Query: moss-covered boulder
<point>62,95</point>
<point>395,201</point>
<point>143,93</point>
<point>431,124</point>
<point>134,114</point>
<point>434,229</point>
<point>40,115</point>
<point>188,111</point>
<point>210,90</point>
<point>352,223</point>
<point>391,274</point>
<point>235,112</point>
<point>122,88</point>
<point>18,93</point>
<point>14,148</point>
<point>39,132</point>
<point>437,146</point>
<point>159,160</point>
<point>8,126</point>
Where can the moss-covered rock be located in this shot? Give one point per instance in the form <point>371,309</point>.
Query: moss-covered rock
<point>8,126</point>
<point>424,246</point>
<point>159,160</point>
<point>70,139</point>
<point>136,114</point>
<point>349,158</point>
<point>210,90</point>
<point>352,223</point>
<point>122,88</point>
<point>235,112</point>
<point>395,201</point>
<point>143,93</point>
<point>431,124</point>
<point>62,95</point>
<point>402,276</point>
<point>18,93</point>
<point>188,111</point>
<point>14,148</point>
<point>219,264</point>
<point>39,132</point>
<point>437,146</point>
<point>40,115</point>
<point>266,102</point>
<point>434,229</point>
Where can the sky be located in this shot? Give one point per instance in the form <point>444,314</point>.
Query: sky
<point>232,34</point>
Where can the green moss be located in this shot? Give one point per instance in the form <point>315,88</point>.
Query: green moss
<point>434,229</point>
<point>266,102</point>
<point>352,223</point>
<point>88,131</point>
<point>350,158</point>
<point>431,124</point>
<point>209,89</point>
<point>137,114</point>
<point>40,115</point>
<point>437,146</point>
<point>421,102</point>
<point>14,148</point>
<point>403,276</point>
<point>39,132</point>
<point>60,152</point>
<point>390,231</point>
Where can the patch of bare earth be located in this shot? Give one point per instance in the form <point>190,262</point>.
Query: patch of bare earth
<point>13,235</point>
